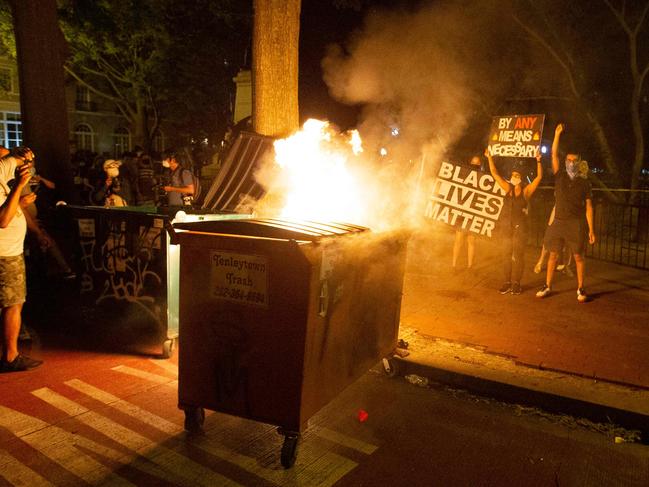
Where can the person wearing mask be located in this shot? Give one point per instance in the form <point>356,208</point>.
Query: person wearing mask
<point>114,190</point>
<point>513,221</point>
<point>180,190</point>
<point>464,236</point>
<point>573,217</point>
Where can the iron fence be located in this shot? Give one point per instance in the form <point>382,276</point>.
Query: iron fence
<point>622,229</point>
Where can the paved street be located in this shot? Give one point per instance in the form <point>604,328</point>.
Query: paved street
<point>108,419</point>
<point>94,415</point>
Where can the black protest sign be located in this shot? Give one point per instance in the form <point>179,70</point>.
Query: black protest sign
<point>515,135</point>
<point>465,199</point>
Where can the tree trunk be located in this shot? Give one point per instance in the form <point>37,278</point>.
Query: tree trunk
<point>602,141</point>
<point>140,125</point>
<point>40,48</point>
<point>275,67</point>
<point>636,123</point>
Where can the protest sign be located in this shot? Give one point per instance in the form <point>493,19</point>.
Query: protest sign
<point>465,199</point>
<point>515,135</point>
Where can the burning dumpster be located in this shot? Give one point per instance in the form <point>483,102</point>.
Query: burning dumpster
<point>278,317</point>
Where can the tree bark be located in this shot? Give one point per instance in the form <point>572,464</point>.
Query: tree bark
<point>40,48</point>
<point>275,67</point>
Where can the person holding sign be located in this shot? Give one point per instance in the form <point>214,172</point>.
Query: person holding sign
<point>513,221</point>
<point>573,200</point>
<point>462,235</point>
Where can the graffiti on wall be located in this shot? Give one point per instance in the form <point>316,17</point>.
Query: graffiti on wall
<point>119,262</point>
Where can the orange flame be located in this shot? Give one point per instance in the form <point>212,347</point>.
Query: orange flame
<point>318,182</point>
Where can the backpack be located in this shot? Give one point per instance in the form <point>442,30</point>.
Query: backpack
<point>197,188</point>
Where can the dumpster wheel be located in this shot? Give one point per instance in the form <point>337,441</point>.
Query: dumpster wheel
<point>194,418</point>
<point>289,448</point>
<point>390,366</point>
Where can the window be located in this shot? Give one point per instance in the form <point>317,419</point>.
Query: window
<point>83,102</point>
<point>6,80</point>
<point>11,129</point>
<point>159,141</point>
<point>84,137</point>
<point>121,141</point>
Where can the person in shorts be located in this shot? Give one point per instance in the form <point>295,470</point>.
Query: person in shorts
<point>573,218</point>
<point>15,173</point>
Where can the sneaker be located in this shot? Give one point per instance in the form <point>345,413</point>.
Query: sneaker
<point>505,288</point>
<point>582,297</point>
<point>543,292</point>
<point>516,288</point>
<point>20,363</point>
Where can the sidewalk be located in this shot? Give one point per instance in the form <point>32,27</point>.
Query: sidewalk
<point>594,352</point>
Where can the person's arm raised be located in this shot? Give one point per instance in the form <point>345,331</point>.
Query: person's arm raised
<point>494,171</point>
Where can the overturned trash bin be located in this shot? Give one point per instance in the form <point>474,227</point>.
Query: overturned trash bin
<point>278,317</point>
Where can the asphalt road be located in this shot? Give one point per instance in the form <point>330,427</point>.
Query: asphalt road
<point>88,418</point>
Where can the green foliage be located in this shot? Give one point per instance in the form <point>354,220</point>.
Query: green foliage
<point>7,39</point>
<point>156,58</point>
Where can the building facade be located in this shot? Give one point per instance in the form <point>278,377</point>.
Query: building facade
<point>95,124</point>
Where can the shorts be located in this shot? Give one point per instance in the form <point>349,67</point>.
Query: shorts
<point>13,281</point>
<point>566,233</point>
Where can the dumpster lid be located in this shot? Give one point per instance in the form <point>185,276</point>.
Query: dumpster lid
<point>273,228</point>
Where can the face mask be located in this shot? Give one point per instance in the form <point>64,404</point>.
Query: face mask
<point>572,169</point>
<point>165,163</point>
<point>112,172</point>
<point>515,180</point>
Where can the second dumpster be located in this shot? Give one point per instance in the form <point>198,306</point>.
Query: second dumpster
<point>278,317</point>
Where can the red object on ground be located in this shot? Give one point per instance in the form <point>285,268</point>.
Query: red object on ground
<point>362,415</point>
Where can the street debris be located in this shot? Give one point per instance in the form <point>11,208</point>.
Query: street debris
<point>417,380</point>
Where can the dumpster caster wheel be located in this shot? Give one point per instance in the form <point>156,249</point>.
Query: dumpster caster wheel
<point>289,448</point>
<point>168,347</point>
<point>390,367</point>
<point>194,419</point>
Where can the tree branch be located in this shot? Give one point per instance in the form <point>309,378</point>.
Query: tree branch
<point>619,15</point>
<point>116,89</point>
<point>535,35</point>
<point>90,87</point>
<point>643,16</point>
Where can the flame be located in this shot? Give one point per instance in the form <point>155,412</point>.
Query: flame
<point>317,178</point>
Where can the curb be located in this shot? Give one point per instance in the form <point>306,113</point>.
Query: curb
<point>463,367</point>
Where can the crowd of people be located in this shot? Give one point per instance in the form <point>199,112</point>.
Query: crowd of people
<point>569,228</point>
<point>137,178</point>
<point>134,180</point>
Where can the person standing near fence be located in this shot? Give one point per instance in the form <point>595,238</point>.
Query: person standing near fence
<point>513,221</point>
<point>573,202</point>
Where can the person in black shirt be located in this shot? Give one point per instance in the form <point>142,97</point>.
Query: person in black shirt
<point>513,221</point>
<point>573,201</point>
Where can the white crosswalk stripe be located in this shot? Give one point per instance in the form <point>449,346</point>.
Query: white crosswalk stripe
<point>181,469</point>
<point>16,473</point>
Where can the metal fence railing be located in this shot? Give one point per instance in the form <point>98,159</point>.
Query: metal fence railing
<point>622,229</point>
